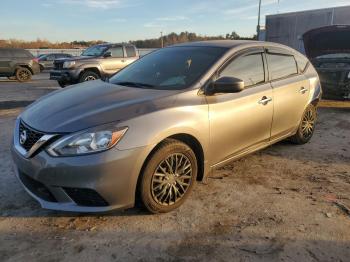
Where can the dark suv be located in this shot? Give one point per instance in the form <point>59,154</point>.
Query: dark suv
<point>99,61</point>
<point>18,63</point>
<point>46,61</point>
<point>328,48</point>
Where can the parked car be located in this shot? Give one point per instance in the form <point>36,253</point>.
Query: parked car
<point>163,123</point>
<point>99,61</point>
<point>46,60</point>
<point>18,63</point>
<point>328,48</point>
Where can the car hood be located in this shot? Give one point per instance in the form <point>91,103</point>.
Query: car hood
<point>77,58</point>
<point>91,104</point>
<point>327,40</point>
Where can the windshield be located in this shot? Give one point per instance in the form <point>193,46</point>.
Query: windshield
<point>169,68</point>
<point>96,50</point>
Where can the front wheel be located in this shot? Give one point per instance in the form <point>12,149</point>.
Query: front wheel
<point>88,76</point>
<point>168,177</point>
<point>306,127</point>
<point>23,74</point>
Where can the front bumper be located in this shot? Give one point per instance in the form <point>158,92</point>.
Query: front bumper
<point>36,68</point>
<point>91,183</point>
<point>65,75</point>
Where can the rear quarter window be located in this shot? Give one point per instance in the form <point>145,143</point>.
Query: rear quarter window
<point>5,54</point>
<point>302,62</point>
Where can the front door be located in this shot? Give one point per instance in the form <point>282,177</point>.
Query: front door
<point>241,121</point>
<point>115,62</point>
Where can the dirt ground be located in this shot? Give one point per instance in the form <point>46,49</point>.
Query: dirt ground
<point>285,203</point>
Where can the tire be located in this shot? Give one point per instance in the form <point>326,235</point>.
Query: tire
<point>306,127</point>
<point>23,74</point>
<point>88,76</point>
<point>62,84</point>
<point>42,68</point>
<point>162,188</point>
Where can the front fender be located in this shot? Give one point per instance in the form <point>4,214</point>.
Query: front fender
<point>85,66</point>
<point>189,116</point>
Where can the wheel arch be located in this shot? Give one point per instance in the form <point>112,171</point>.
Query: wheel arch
<point>94,69</point>
<point>24,66</point>
<point>189,140</point>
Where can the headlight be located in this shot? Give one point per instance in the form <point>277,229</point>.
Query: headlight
<point>68,64</point>
<point>87,142</point>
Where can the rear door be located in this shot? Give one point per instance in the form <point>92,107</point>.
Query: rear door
<point>290,91</point>
<point>131,54</point>
<point>6,63</point>
<point>241,121</point>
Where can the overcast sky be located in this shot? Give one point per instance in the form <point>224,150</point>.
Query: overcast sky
<point>123,20</point>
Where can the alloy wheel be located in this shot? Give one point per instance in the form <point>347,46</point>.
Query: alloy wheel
<point>24,75</point>
<point>308,123</point>
<point>171,179</point>
<point>89,78</point>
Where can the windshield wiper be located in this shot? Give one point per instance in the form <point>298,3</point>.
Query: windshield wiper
<point>134,84</point>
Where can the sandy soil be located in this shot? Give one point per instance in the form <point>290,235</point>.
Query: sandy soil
<point>285,203</point>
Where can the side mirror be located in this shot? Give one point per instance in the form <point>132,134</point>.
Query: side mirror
<point>227,85</point>
<point>107,54</point>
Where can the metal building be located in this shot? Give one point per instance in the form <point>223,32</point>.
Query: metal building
<point>288,28</point>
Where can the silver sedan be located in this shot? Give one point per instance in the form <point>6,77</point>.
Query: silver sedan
<point>162,123</point>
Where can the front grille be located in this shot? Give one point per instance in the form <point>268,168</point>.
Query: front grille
<point>58,65</point>
<point>37,188</point>
<point>32,136</point>
<point>85,197</point>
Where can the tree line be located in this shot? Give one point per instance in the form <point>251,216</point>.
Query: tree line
<point>183,37</point>
<point>170,39</point>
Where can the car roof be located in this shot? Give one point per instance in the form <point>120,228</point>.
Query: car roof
<point>12,49</point>
<point>229,44</point>
<point>220,43</point>
<point>114,44</point>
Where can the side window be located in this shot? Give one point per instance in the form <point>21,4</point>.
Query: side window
<point>249,68</point>
<point>22,54</point>
<point>117,51</point>
<point>302,63</point>
<point>130,51</point>
<point>281,65</point>
<point>50,57</point>
<point>5,54</point>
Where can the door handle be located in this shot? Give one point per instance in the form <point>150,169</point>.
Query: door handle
<point>303,90</point>
<point>265,100</point>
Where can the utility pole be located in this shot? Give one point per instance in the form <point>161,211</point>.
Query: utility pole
<point>258,27</point>
<point>161,39</point>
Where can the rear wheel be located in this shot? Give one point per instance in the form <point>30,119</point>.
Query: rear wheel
<point>168,177</point>
<point>23,74</point>
<point>88,76</point>
<point>306,127</point>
